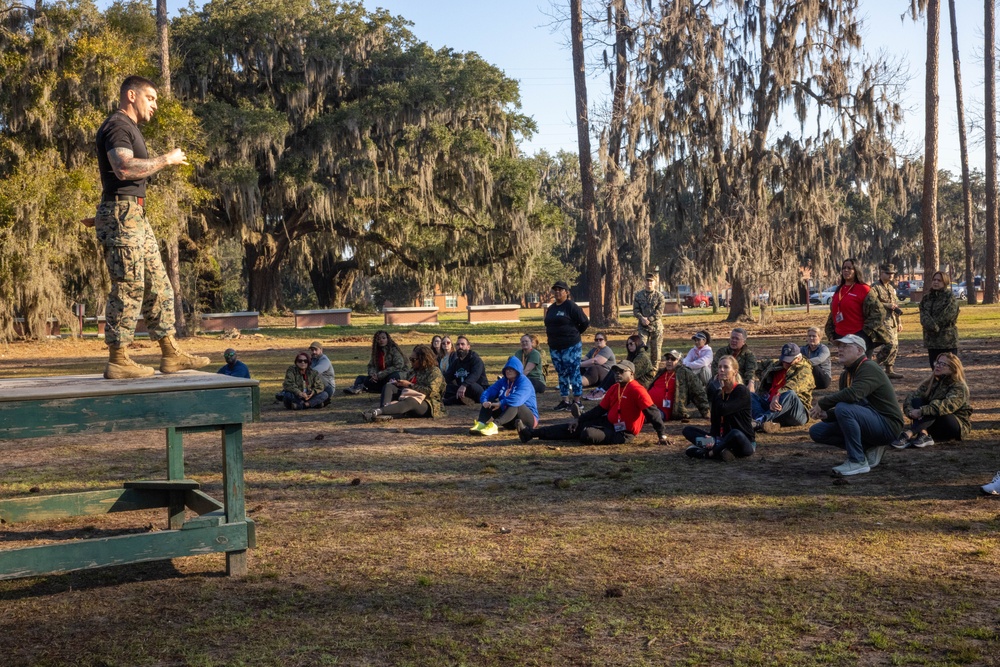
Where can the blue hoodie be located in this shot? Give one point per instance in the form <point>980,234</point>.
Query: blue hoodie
<point>513,394</point>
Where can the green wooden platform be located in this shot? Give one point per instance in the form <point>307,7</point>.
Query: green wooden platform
<point>187,402</point>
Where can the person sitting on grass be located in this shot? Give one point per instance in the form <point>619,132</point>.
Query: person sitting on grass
<point>863,415</point>
<point>674,386</point>
<point>531,359</point>
<point>444,354</point>
<point>614,421</point>
<point>786,387</point>
<point>436,345</point>
<point>818,355</point>
<point>639,357</point>
<point>465,379</point>
<point>596,365</point>
<point>507,403</point>
<point>321,364</point>
<point>420,396</point>
<point>939,409</point>
<point>731,432</point>
<point>386,363</point>
<point>303,387</point>
<point>234,367</point>
<point>745,359</point>
<point>700,357</point>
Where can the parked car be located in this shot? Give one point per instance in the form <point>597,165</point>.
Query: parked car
<point>699,300</point>
<point>904,288</point>
<point>958,289</point>
<point>827,295</point>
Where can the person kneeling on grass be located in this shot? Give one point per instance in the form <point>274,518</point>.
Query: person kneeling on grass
<point>303,387</point>
<point>509,402</point>
<point>615,420</point>
<point>863,416</point>
<point>731,433</point>
<point>420,396</point>
<point>786,387</point>
<point>939,409</point>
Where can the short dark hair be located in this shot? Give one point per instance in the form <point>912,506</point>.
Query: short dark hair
<point>465,338</point>
<point>136,83</point>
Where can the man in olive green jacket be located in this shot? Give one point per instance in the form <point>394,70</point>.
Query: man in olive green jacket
<point>863,416</point>
<point>745,359</point>
<point>785,393</point>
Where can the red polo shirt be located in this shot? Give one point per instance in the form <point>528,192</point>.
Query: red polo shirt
<point>626,405</point>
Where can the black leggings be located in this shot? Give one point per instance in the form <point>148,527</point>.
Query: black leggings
<point>594,434</point>
<point>505,418</point>
<point>538,385</point>
<point>735,441</point>
<point>376,386</point>
<point>942,428</point>
<point>408,407</point>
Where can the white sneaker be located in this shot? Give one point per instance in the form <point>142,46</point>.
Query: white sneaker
<point>993,488</point>
<point>849,467</point>
<point>874,455</point>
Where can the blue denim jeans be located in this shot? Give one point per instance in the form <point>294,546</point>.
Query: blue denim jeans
<point>856,427</point>
<point>567,364</point>
<point>792,412</point>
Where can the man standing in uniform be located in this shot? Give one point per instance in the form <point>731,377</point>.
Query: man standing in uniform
<point>885,293</point>
<point>647,306</point>
<point>138,280</point>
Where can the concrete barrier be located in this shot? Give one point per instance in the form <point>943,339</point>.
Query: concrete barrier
<point>427,315</point>
<point>314,319</point>
<point>51,327</point>
<point>584,306</point>
<point>244,321</point>
<point>504,312</point>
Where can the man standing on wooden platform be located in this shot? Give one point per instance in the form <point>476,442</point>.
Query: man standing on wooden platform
<point>138,280</point>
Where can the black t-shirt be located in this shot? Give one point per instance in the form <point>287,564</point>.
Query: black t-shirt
<point>564,323</point>
<point>118,131</point>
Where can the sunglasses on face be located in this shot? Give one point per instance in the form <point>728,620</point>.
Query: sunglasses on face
<point>302,361</point>
<point>599,340</point>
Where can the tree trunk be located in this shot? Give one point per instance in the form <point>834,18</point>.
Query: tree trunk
<point>262,260</point>
<point>928,212</point>
<point>162,27</point>
<point>332,279</point>
<point>613,175</point>
<point>740,306</point>
<point>970,280</point>
<point>990,123</point>
<point>593,269</point>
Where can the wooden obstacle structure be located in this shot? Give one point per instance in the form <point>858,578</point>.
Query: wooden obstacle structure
<point>186,402</point>
<point>426,315</point>
<point>504,312</point>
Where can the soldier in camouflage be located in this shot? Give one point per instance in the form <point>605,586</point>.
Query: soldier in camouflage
<point>138,280</point>
<point>885,293</point>
<point>647,306</point>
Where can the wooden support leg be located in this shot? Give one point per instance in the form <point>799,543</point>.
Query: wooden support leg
<point>232,479</point>
<point>175,471</point>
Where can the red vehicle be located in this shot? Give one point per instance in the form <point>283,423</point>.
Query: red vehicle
<point>699,300</point>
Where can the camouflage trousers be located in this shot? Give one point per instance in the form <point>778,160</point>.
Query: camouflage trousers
<point>886,355</point>
<point>138,280</point>
<point>653,339</point>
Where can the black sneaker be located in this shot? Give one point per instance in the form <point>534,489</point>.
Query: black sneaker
<point>922,441</point>
<point>525,433</point>
<point>562,407</point>
<point>696,452</point>
<point>352,390</point>
<point>518,425</point>
<point>368,415</point>
<point>576,410</point>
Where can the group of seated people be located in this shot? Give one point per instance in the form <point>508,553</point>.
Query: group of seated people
<point>740,396</point>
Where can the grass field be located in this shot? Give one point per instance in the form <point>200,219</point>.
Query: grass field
<point>412,543</point>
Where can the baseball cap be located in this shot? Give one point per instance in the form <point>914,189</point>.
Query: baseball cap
<point>624,365</point>
<point>701,335</point>
<point>560,284</point>
<point>229,354</point>
<point>316,344</point>
<point>851,339</point>
<point>673,354</point>
<point>789,351</point>
<point>888,268</point>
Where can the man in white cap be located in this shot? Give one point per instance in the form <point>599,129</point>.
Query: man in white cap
<point>320,363</point>
<point>786,388</point>
<point>863,416</point>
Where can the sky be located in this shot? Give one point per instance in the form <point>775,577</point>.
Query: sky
<point>522,38</point>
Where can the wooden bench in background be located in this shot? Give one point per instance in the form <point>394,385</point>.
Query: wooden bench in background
<point>314,319</point>
<point>412,315</point>
<point>51,327</point>
<point>504,312</point>
<point>88,406</point>
<point>215,322</point>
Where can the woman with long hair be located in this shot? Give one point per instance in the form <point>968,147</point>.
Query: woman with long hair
<point>939,409</point>
<point>420,396</point>
<point>436,346</point>
<point>444,355</point>
<point>854,309</point>
<point>939,317</point>
<point>386,363</point>
<point>639,356</point>
<point>731,433</point>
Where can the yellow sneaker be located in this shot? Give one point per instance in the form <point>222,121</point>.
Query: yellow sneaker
<point>489,429</point>
<point>477,428</point>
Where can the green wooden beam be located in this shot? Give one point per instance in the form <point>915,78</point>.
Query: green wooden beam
<point>42,508</point>
<point>121,550</point>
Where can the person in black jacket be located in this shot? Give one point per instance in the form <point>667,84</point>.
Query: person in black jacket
<point>466,375</point>
<point>564,322</point>
<point>731,432</point>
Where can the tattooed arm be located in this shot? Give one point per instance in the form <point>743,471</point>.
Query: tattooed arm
<point>130,168</point>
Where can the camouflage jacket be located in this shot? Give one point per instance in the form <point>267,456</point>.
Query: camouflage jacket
<point>649,303</point>
<point>886,296</point>
<point>395,362</point>
<point>942,397</point>
<point>295,381</point>
<point>798,378</point>
<point>746,359</point>
<point>938,316</point>
<point>430,383</point>
<point>643,368</point>
<point>687,389</point>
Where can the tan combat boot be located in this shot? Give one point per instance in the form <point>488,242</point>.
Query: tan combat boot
<point>120,367</point>
<point>174,360</point>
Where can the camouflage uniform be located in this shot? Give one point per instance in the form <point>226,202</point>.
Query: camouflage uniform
<point>886,296</point>
<point>746,360</point>
<point>938,317</point>
<point>430,383</point>
<point>687,389</point>
<point>649,304</point>
<point>134,265</point>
